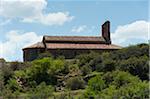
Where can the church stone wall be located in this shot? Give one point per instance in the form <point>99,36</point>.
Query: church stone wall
<point>31,54</point>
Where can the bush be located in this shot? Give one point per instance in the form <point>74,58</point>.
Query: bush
<point>1,83</point>
<point>117,85</point>
<point>42,70</point>
<point>7,73</point>
<point>86,58</point>
<point>117,74</point>
<point>136,66</point>
<point>139,90</point>
<point>9,94</point>
<point>74,69</point>
<point>75,83</point>
<point>131,51</point>
<point>13,85</point>
<point>86,70</point>
<point>42,91</point>
<point>119,78</point>
<point>96,63</point>
<point>96,84</point>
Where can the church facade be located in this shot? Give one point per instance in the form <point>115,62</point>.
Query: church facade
<point>70,46</point>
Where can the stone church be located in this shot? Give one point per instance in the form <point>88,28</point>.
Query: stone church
<point>70,46</point>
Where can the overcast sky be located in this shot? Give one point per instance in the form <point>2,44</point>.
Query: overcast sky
<point>24,22</point>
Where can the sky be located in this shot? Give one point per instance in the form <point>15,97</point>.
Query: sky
<point>24,22</point>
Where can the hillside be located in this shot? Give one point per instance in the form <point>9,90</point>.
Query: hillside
<point>122,74</point>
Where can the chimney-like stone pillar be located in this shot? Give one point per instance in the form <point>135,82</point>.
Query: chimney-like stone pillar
<point>106,32</point>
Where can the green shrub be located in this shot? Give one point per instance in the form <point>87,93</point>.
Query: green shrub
<point>119,78</point>
<point>7,73</point>
<point>107,65</point>
<point>74,69</point>
<point>136,66</point>
<point>1,83</point>
<point>117,74</point>
<point>131,51</point>
<point>110,92</point>
<point>86,70</point>
<point>117,85</point>
<point>42,70</point>
<point>9,94</point>
<point>42,91</point>
<point>75,83</point>
<point>138,90</point>
<point>96,63</point>
<point>13,85</point>
<point>86,58</point>
<point>96,84</point>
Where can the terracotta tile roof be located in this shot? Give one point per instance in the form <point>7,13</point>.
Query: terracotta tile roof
<point>81,46</point>
<point>64,45</point>
<point>36,45</point>
<point>74,38</point>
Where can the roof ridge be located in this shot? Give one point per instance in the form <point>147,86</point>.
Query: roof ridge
<point>70,36</point>
<point>35,45</point>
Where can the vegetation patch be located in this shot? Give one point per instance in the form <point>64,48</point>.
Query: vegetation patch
<point>121,74</point>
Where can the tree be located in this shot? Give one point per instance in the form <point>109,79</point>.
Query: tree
<point>42,70</point>
<point>137,66</point>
